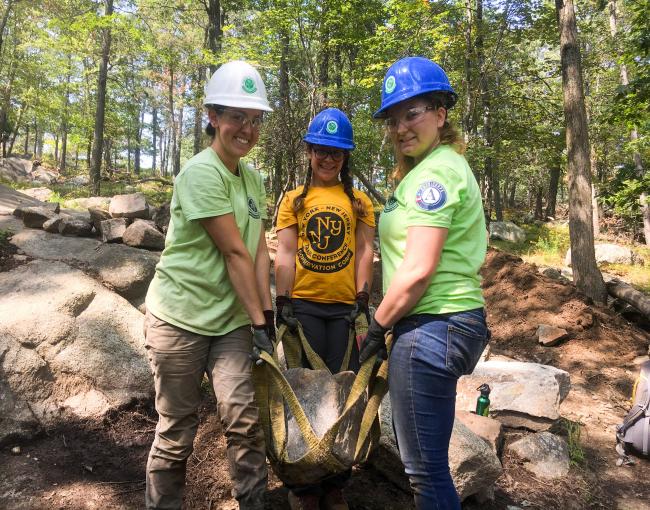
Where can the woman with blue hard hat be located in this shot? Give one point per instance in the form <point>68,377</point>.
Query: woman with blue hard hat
<point>209,304</point>
<point>433,243</point>
<point>323,267</point>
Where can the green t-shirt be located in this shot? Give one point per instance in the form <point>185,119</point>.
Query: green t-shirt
<point>191,288</point>
<point>439,192</point>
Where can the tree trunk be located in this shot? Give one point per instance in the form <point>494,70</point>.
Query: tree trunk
<point>98,135</point>
<point>198,112</point>
<point>467,115</point>
<point>630,295</point>
<point>586,275</point>
<point>215,24</point>
<point>56,147</point>
<point>513,190</point>
<point>539,210</point>
<point>26,151</point>
<point>3,22</point>
<point>154,134</point>
<point>138,140</point>
<point>19,121</point>
<point>551,198</point>
<point>179,140</point>
<point>373,191</point>
<point>172,117</point>
<point>280,159</point>
<point>64,120</point>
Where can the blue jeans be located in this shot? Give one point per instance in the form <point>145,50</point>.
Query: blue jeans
<point>430,353</point>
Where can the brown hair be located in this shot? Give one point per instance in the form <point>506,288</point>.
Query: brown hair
<point>449,135</point>
<point>346,180</point>
<point>209,129</point>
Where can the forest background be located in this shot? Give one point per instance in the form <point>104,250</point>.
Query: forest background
<point>114,87</point>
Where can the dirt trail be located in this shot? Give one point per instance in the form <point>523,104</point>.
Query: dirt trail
<point>90,465</point>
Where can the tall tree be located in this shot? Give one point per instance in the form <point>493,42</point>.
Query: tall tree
<point>98,136</point>
<point>586,275</point>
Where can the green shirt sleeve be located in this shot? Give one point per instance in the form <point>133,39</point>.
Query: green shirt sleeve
<point>202,193</point>
<point>432,197</point>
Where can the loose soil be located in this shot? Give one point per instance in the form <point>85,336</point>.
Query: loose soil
<point>100,464</point>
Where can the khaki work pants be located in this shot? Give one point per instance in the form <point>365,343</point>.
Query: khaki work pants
<point>178,360</point>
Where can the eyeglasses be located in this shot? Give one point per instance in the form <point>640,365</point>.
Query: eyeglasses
<point>240,119</point>
<point>411,117</point>
<point>336,154</point>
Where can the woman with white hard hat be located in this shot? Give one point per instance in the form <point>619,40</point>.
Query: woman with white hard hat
<point>323,268</point>
<point>209,305</point>
<point>433,243</point>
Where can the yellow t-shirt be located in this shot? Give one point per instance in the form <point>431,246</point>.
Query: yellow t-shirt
<point>326,242</point>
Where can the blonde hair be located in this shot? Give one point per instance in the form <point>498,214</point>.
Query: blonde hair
<point>449,135</point>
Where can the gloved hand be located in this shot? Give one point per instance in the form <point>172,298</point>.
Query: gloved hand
<point>261,342</point>
<point>284,313</point>
<point>375,342</point>
<point>269,318</point>
<point>360,306</point>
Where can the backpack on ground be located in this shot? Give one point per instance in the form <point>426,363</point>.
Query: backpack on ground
<point>633,435</point>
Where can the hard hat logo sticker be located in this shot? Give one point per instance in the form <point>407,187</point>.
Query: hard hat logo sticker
<point>249,85</point>
<point>331,127</point>
<point>390,84</point>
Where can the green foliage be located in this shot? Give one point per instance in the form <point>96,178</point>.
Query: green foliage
<point>624,192</point>
<point>5,235</point>
<point>573,431</point>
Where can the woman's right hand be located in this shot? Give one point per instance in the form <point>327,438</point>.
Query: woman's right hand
<point>374,343</point>
<point>284,313</point>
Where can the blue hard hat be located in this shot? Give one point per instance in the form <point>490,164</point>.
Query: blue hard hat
<point>410,77</point>
<point>332,128</point>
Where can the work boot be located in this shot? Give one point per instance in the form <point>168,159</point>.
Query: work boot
<point>334,500</point>
<point>304,501</point>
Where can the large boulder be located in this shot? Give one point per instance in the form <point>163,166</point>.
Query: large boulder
<point>474,465</point>
<point>87,203</point>
<point>68,348</point>
<point>112,230</point>
<point>42,194</point>
<point>75,227</point>
<point>524,395</point>
<point>34,217</point>
<point>507,231</point>
<point>611,254</point>
<point>15,169</point>
<point>143,234</point>
<point>161,216</point>
<point>544,454</point>
<point>133,205</point>
<point>128,271</point>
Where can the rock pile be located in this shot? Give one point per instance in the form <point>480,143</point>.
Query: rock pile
<point>124,219</point>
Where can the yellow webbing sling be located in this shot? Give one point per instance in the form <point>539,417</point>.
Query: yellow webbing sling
<point>273,390</point>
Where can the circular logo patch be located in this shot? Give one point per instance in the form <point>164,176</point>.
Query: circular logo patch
<point>390,84</point>
<point>249,85</point>
<point>331,127</point>
<point>252,209</point>
<point>431,195</point>
<point>391,204</point>
<point>326,232</point>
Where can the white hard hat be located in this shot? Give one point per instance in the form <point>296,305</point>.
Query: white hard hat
<point>237,84</point>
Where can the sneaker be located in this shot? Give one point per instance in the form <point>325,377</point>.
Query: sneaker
<point>304,501</point>
<point>334,500</point>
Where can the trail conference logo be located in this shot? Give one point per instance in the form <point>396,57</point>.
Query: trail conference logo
<point>431,195</point>
<point>249,85</point>
<point>328,230</point>
<point>252,209</point>
<point>390,84</point>
<point>332,127</point>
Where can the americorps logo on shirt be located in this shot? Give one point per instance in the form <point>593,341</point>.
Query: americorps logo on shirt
<point>252,209</point>
<point>431,195</point>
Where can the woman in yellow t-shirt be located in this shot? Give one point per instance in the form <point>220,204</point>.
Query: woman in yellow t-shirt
<point>323,268</point>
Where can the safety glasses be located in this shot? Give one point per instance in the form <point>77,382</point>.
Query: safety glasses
<point>336,154</point>
<point>240,119</point>
<point>409,118</point>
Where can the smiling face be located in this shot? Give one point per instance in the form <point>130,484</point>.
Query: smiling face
<point>326,164</point>
<point>237,132</point>
<point>414,127</point>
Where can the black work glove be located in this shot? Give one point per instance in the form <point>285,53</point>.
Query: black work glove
<point>360,306</point>
<point>261,342</point>
<point>375,342</point>
<point>284,313</point>
<point>269,318</point>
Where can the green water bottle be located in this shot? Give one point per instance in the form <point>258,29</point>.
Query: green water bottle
<point>483,401</point>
